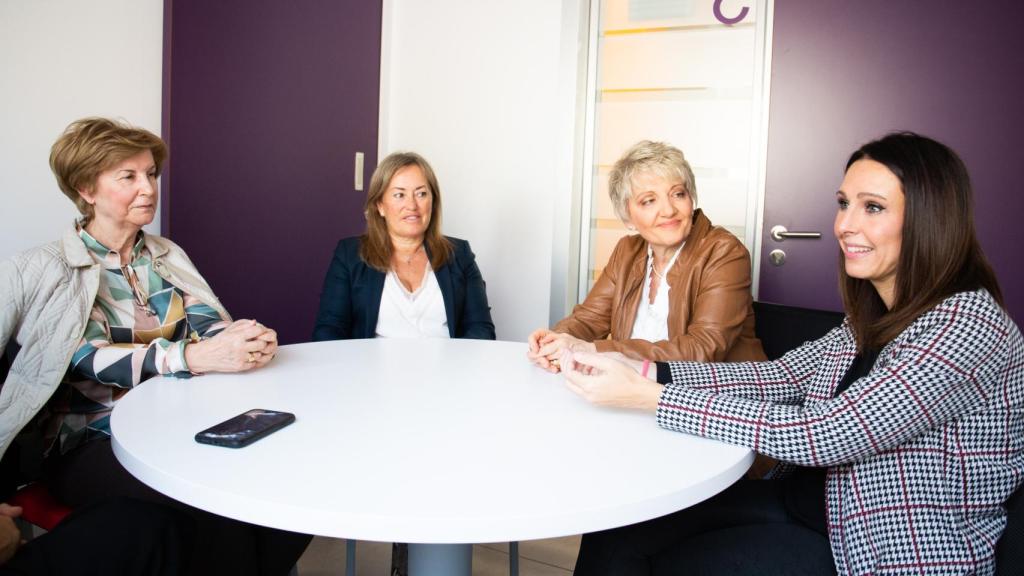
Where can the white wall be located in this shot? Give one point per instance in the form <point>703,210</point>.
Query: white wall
<point>485,90</point>
<point>61,60</point>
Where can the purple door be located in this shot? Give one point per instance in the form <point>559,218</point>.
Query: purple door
<point>844,73</point>
<point>266,104</point>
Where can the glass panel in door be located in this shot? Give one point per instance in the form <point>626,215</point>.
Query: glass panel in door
<point>673,71</point>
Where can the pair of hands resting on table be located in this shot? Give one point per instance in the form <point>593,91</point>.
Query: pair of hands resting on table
<point>10,536</point>
<point>243,345</point>
<point>610,379</point>
<point>546,348</point>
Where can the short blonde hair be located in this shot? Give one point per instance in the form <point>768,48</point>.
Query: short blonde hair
<point>90,146</point>
<point>647,157</point>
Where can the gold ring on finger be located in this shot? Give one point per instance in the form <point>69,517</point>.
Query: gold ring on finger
<point>252,358</point>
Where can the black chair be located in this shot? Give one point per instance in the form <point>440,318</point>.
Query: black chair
<point>1010,549</point>
<point>783,328</point>
<point>7,359</point>
<point>25,454</point>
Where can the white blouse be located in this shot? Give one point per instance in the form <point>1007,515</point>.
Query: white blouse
<point>651,322</point>
<point>418,314</point>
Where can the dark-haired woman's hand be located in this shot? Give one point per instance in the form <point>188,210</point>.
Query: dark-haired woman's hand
<point>607,382</point>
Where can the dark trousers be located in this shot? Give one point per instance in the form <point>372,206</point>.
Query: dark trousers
<point>744,530</point>
<point>120,536</point>
<point>90,474</point>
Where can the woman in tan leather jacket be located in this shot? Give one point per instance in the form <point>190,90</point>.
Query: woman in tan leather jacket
<point>679,289</point>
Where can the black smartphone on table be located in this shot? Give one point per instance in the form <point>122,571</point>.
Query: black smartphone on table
<point>245,428</point>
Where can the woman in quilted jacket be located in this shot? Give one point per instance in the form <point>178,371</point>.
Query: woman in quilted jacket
<point>109,307</point>
<point>903,429</point>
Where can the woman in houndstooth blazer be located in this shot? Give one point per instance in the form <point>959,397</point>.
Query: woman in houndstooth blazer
<point>902,430</point>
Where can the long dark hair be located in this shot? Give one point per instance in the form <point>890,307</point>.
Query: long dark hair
<point>940,254</point>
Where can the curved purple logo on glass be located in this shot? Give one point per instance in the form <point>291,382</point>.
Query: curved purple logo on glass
<point>725,19</point>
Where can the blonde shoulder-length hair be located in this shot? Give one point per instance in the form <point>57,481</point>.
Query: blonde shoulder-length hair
<point>375,247</point>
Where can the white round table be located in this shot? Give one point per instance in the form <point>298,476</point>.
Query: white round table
<point>440,443</point>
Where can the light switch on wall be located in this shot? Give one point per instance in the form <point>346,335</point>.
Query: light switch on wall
<point>359,172</point>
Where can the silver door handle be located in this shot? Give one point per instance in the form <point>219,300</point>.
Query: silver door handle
<point>779,233</point>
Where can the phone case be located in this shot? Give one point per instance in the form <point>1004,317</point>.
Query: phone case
<point>246,428</point>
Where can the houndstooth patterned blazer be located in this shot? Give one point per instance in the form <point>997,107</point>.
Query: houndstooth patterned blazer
<point>922,452</point>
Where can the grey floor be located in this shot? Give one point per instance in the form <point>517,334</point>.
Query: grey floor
<point>552,557</point>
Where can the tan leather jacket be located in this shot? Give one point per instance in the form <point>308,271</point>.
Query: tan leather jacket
<point>46,295</point>
<point>710,317</point>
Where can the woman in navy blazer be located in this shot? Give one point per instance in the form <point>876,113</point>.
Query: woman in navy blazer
<point>403,253</point>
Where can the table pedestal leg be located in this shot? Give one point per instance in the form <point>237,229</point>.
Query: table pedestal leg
<point>440,559</point>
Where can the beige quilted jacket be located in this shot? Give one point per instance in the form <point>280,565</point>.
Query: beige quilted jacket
<point>46,295</point>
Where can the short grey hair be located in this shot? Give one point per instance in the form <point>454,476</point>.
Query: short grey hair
<point>646,156</point>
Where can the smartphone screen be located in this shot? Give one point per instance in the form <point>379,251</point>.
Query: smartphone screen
<point>245,428</point>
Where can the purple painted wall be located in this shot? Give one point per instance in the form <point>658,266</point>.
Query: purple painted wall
<point>844,73</point>
<point>265,104</point>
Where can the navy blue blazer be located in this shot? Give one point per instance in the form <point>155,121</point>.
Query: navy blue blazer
<point>350,299</point>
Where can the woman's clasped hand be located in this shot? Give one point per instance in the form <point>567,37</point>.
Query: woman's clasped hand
<point>546,348</point>
<point>243,345</point>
